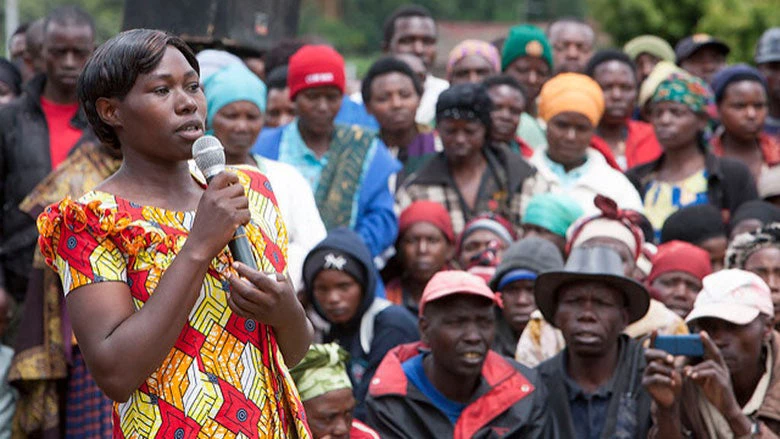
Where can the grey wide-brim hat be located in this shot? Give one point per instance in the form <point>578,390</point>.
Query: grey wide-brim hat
<point>589,264</point>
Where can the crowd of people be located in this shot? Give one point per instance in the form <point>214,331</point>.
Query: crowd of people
<point>494,253</point>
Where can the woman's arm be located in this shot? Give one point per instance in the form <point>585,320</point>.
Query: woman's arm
<point>122,346</point>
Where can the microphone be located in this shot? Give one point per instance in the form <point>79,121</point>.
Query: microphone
<point>209,156</point>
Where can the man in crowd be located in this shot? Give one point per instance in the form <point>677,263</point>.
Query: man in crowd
<point>17,44</point>
<point>595,383</point>
<point>453,385</point>
<point>334,158</point>
<point>412,29</point>
<point>702,55</point>
<point>36,133</point>
<point>733,392</point>
<point>768,62</point>
<point>33,52</point>
<point>528,57</point>
<point>514,280</point>
<point>326,393</point>
<point>572,41</point>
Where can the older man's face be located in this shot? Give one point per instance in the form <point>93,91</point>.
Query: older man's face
<point>591,316</point>
<point>572,45</point>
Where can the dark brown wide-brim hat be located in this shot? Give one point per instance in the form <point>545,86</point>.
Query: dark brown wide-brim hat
<point>591,264</point>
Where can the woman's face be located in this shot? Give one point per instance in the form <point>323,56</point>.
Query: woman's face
<point>568,137</point>
<point>237,126</point>
<point>530,71</point>
<point>462,139</point>
<point>676,125</point>
<point>164,112</point>
<point>743,110</point>
<point>394,102</point>
<point>471,69</point>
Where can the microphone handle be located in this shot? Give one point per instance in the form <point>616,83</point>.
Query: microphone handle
<point>240,249</point>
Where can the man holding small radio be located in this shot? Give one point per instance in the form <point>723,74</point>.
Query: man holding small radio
<point>731,386</point>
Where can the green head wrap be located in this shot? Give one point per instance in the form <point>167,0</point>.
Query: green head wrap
<point>656,46</point>
<point>526,40</point>
<point>554,212</point>
<point>685,89</point>
<point>323,369</point>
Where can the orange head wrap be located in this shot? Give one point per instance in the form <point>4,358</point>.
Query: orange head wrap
<point>571,92</point>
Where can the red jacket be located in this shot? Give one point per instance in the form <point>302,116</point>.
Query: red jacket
<point>641,146</point>
<point>510,401</point>
<point>360,430</point>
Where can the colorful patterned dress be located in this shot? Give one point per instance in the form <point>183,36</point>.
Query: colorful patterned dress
<point>225,376</point>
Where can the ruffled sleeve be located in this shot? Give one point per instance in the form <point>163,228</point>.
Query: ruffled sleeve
<point>74,240</point>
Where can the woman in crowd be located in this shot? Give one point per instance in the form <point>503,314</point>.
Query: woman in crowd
<point>10,82</point>
<point>469,177</point>
<point>741,96</point>
<point>236,100</point>
<point>687,173</point>
<point>646,51</point>
<point>426,245</point>
<point>527,56</point>
<point>549,216</point>
<point>702,226</point>
<point>630,142</point>
<point>759,252</point>
<point>149,285</point>
<point>678,270</point>
<point>326,393</point>
<point>509,103</point>
<point>572,105</point>
<point>341,284</point>
<point>472,61</point>
<point>391,93</point>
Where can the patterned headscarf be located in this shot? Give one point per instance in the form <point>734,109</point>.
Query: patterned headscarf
<point>474,47</point>
<point>685,89</point>
<point>322,370</point>
<point>744,245</point>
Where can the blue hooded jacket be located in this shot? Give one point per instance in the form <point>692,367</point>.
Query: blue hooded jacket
<point>377,324</point>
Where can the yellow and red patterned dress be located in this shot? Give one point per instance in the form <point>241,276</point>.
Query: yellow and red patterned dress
<point>225,376</point>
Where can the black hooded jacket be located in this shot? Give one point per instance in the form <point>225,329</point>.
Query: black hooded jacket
<point>378,324</point>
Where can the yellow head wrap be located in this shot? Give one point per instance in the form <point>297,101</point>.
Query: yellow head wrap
<point>571,92</point>
<point>323,369</point>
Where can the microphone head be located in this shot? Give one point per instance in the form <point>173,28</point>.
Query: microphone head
<point>209,156</point>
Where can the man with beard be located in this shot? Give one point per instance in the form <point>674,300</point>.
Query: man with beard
<point>452,384</point>
<point>595,383</point>
<point>733,391</point>
<point>36,133</point>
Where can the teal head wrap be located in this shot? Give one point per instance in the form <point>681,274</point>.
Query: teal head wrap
<point>554,212</point>
<point>232,84</point>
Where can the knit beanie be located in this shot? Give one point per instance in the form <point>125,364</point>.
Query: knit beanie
<point>526,40</point>
<point>315,66</point>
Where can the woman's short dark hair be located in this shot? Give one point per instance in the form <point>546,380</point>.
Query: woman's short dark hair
<point>509,81</point>
<point>466,101</point>
<point>113,68</point>
<point>607,55</point>
<point>384,66</point>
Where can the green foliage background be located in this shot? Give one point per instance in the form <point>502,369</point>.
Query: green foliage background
<point>359,31</point>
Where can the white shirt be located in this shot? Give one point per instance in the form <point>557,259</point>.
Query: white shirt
<point>597,177</point>
<point>426,112</point>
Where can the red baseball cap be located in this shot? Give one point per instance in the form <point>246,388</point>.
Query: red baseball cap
<point>447,283</point>
<point>315,66</point>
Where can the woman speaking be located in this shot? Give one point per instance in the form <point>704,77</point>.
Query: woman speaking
<point>187,341</point>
